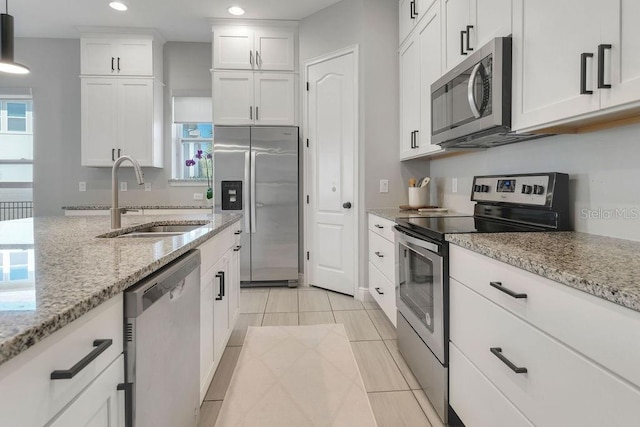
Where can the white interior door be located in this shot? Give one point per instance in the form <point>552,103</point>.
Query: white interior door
<point>332,169</point>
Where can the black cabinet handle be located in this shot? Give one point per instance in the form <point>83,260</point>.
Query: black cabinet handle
<point>113,154</point>
<point>119,152</point>
<point>251,112</point>
<point>412,9</point>
<point>118,63</point>
<point>462,33</point>
<point>601,83</point>
<point>257,113</point>
<point>497,351</point>
<point>412,139</point>
<point>469,27</point>
<point>378,291</point>
<point>237,248</point>
<point>415,139</point>
<point>379,254</point>
<point>378,226</point>
<point>223,284</point>
<point>65,374</point>
<point>251,58</point>
<point>237,232</point>
<point>113,68</point>
<point>583,73</point>
<point>220,276</point>
<point>498,286</point>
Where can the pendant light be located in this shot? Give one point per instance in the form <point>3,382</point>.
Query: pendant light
<point>7,64</point>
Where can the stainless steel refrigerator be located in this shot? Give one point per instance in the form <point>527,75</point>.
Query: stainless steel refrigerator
<point>256,174</point>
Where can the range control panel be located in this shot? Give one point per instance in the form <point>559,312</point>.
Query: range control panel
<point>525,189</point>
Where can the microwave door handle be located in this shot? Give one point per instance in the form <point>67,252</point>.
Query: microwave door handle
<point>471,93</point>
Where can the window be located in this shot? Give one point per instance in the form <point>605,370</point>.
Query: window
<point>16,149</point>
<point>192,131</point>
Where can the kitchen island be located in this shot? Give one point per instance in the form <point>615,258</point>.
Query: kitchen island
<point>75,271</point>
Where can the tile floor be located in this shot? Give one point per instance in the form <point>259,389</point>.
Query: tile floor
<point>394,393</point>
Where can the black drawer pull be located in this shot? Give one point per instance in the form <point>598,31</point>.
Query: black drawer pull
<point>238,232</point>
<point>498,286</point>
<point>220,276</point>
<point>378,291</point>
<point>497,351</point>
<point>601,83</point>
<point>378,226</point>
<point>583,73</point>
<point>237,248</point>
<point>379,254</point>
<point>65,374</point>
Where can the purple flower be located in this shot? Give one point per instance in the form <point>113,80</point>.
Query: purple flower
<point>199,154</point>
<point>190,162</point>
<point>209,156</point>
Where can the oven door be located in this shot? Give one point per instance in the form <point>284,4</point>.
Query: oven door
<point>420,284</point>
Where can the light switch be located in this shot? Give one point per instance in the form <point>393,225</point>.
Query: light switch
<point>82,186</point>
<point>454,185</point>
<point>197,196</point>
<point>123,186</point>
<point>147,186</point>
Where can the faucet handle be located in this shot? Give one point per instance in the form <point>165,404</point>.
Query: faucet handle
<point>125,210</point>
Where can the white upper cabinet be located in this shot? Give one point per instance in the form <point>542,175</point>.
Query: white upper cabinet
<point>621,62</point>
<point>555,58</point>
<point>410,13</point>
<point>274,99</point>
<point>469,24</point>
<point>110,56</point>
<point>233,97</point>
<point>420,66</point>
<point>246,48</point>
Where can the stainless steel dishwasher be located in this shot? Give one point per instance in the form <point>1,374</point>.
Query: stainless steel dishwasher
<point>162,346</point>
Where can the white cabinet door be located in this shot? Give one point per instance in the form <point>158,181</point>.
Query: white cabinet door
<point>207,352</point>
<point>549,38</point>
<point>407,18</point>
<point>233,285</point>
<point>620,29</point>
<point>220,306</point>
<point>99,122</point>
<point>456,17</point>
<point>274,50</point>
<point>233,98</point>
<point>409,98</point>
<point>233,49</point>
<point>134,58</point>
<point>97,56</point>
<point>101,404</point>
<point>274,99</point>
<point>490,19</point>
<point>135,119</point>
<point>430,49</point>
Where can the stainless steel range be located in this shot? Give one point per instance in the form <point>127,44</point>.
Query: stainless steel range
<point>505,203</point>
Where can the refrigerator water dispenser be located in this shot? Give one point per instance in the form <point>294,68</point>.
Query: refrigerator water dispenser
<point>231,195</point>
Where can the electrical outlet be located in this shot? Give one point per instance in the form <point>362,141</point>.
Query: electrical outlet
<point>384,185</point>
<point>147,186</point>
<point>454,185</point>
<point>82,186</point>
<point>123,186</point>
<point>197,196</point>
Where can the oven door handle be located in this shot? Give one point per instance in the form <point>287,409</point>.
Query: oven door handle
<point>417,240</point>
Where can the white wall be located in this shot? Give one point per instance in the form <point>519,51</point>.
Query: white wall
<point>604,170</point>
<point>55,67</point>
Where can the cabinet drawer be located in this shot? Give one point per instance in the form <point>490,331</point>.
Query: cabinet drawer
<point>384,292</point>
<point>382,255</point>
<point>476,401</point>
<point>581,321</point>
<point>213,249</point>
<point>29,396</point>
<point>560,387</point>
<point>382,227</point>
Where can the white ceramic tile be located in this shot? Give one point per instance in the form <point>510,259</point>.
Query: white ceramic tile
<point>316,317</point>
<point>240,330</point>
<point>296,376</point>
<point>379,370</point>
<point>222,377</point>
<point>392,346</point>
<point>344,302</point>
<point>313,301</point>
<point>280,319</point>
<point>358,325</point>
<point>397,409</point>
<point>384,327</point>
<point>282,301</point>
<point>253,302</point>
<point>428,409</point>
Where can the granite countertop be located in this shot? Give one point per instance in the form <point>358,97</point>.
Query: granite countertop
<point>392,213</point>
<point>71,271</point>
<point>132,207</point>
<point>606,267</point>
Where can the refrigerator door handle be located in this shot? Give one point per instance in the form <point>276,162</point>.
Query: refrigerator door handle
<point>253,192</point>
<point>246,196</point>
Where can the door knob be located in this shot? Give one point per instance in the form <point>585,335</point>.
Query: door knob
<point>346,205</point>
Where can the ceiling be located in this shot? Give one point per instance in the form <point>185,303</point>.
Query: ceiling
<point>176,20</point>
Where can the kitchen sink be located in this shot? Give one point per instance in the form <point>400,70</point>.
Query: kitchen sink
<point>156,231</point>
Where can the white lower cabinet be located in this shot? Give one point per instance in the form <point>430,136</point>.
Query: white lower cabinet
<point>99,405</point>
<point>219,299</point>
<point>510,367</point>
<point>382,256</point>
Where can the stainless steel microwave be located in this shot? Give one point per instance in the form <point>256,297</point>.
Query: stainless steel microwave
<point>471,104</point>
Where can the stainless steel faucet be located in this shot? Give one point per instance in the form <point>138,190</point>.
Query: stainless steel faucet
<point>115,210</point>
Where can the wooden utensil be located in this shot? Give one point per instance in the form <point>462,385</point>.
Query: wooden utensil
<point>412,182</point>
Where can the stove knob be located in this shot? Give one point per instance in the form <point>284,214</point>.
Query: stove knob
<point>476,188</point>
<point>527,189</point>
<point>484,188</point>
<point>538,189</point>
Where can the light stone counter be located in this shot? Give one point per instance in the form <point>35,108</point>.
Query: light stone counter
<point>602,266</point>
<point>71,271</point>
<point>132,207</point>
<point>392,213</point>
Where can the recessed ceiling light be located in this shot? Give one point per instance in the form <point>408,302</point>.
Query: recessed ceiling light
<point>236,10</point>
<point>119,5</point>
